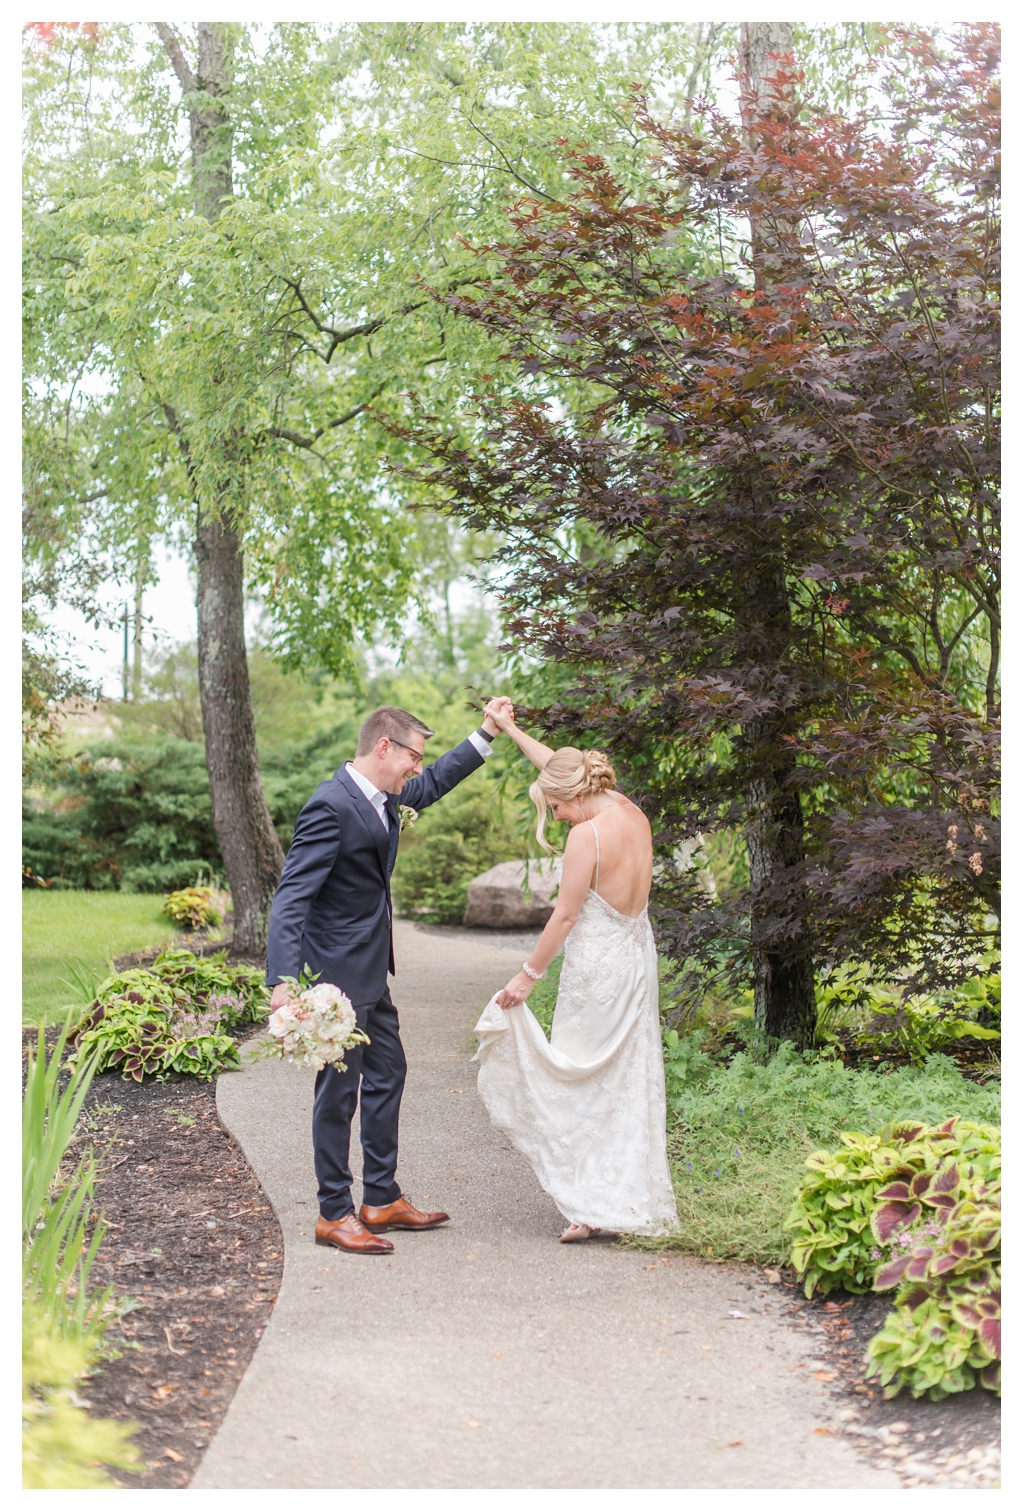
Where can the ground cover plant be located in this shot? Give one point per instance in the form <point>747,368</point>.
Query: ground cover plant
<point>194,908</point>
<point>858,1012</point>
<point>89,928</point>
<point>739,1135</point>
<point>175,1015</point>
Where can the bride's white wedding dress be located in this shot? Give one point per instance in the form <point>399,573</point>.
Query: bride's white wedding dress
<point>587,1110</point>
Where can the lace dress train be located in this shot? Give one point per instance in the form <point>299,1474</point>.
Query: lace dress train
<point>587,1110</point>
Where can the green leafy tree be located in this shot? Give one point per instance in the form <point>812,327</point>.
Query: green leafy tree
<point>225,229</point>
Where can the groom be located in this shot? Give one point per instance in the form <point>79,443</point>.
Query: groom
<point>332,913</point>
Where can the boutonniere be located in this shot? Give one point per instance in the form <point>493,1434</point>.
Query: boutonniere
<point>406,817</point>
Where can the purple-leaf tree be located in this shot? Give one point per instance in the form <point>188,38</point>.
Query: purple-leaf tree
<point>755,538</point>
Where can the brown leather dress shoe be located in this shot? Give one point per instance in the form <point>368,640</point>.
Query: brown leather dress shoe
<point>348,1233</point>
<point>400,1214</point>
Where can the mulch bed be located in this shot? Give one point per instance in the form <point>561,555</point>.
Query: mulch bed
<point>194,1241</point>
<point>843,1326</point>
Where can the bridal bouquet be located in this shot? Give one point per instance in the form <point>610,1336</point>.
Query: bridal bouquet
<point>313,1027</point>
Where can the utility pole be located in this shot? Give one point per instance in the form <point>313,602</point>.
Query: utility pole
<point>124,657</point>
<point>136,681</point>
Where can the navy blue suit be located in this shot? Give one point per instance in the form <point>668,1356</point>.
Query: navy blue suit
<point>332,912</point>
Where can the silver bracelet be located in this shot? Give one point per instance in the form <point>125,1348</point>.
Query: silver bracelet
<point>533,975</point>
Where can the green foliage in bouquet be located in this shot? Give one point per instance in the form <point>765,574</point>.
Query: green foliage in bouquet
<point>175,1015</point>
<point>836,1244</point>
<point>193,907</point>
<point>946,1331</point>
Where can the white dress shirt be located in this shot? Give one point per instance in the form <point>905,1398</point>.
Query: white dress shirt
<point>378,798</point>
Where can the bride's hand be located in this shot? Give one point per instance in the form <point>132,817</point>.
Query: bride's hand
<point>516,992</point>
<point>502,711</point>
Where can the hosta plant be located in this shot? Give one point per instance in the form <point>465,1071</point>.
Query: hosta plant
<point>835,1244</point>
<point>173,1016</point>
<point>946,1331</point>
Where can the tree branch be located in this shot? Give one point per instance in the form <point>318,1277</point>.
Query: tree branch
<point>368,327</point>
<point>186,78</point>
<point>308,442</point>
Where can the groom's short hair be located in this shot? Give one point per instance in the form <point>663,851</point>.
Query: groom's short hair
<point>389,723</point>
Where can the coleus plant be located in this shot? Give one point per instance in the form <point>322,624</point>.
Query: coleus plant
<point>833,1211</point>
<point>174,1016</point>
<point>947,1327</point>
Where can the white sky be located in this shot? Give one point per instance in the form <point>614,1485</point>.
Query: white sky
<point>169,609</point>
<point>170,604</point>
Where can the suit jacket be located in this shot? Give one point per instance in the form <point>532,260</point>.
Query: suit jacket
<point>332,907</point>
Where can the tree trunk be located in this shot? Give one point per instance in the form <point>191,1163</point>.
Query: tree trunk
<point>245,832</point>
<point>774,239</point>
<point>246,835</point>
<point>784,1000</point>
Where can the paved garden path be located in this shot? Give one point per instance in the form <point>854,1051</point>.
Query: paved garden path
<point>484,1354</point>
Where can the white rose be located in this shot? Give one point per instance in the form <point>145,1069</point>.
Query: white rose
<point>324,994</point>
<point>280,1022</point>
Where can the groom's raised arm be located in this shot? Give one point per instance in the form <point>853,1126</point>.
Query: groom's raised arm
<point>446,772</point>
<point>310,861</point>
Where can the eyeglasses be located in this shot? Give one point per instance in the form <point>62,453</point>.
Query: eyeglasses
<point>417,753</point>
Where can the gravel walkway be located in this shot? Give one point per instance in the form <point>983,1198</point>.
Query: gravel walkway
<point>484,1354</point>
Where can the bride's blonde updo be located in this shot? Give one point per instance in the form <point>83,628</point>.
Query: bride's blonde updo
<point>569,776</point>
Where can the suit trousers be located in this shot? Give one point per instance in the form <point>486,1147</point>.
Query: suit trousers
<point>374,1079</point>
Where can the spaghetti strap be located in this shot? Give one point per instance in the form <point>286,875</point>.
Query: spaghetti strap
<point>596,838</point>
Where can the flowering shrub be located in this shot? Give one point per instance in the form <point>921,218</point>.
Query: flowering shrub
<point>173,1016</point>
<point>837,1243</point>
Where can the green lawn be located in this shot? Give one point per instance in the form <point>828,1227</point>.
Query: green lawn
<point>89,926</point>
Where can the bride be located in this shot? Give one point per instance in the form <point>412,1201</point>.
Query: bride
<point>587,1110</point>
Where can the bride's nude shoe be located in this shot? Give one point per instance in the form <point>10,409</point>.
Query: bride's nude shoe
<point>575,1233</point>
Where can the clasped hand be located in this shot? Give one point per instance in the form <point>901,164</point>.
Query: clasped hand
<point>502,712</point>
<point>516,992</point>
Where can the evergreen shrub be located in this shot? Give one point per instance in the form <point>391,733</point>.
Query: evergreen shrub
<point>449,844</point>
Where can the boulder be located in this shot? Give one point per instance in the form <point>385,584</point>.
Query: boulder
<point>496,899</point>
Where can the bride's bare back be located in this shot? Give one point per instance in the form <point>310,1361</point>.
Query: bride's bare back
<point>626,855</point>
